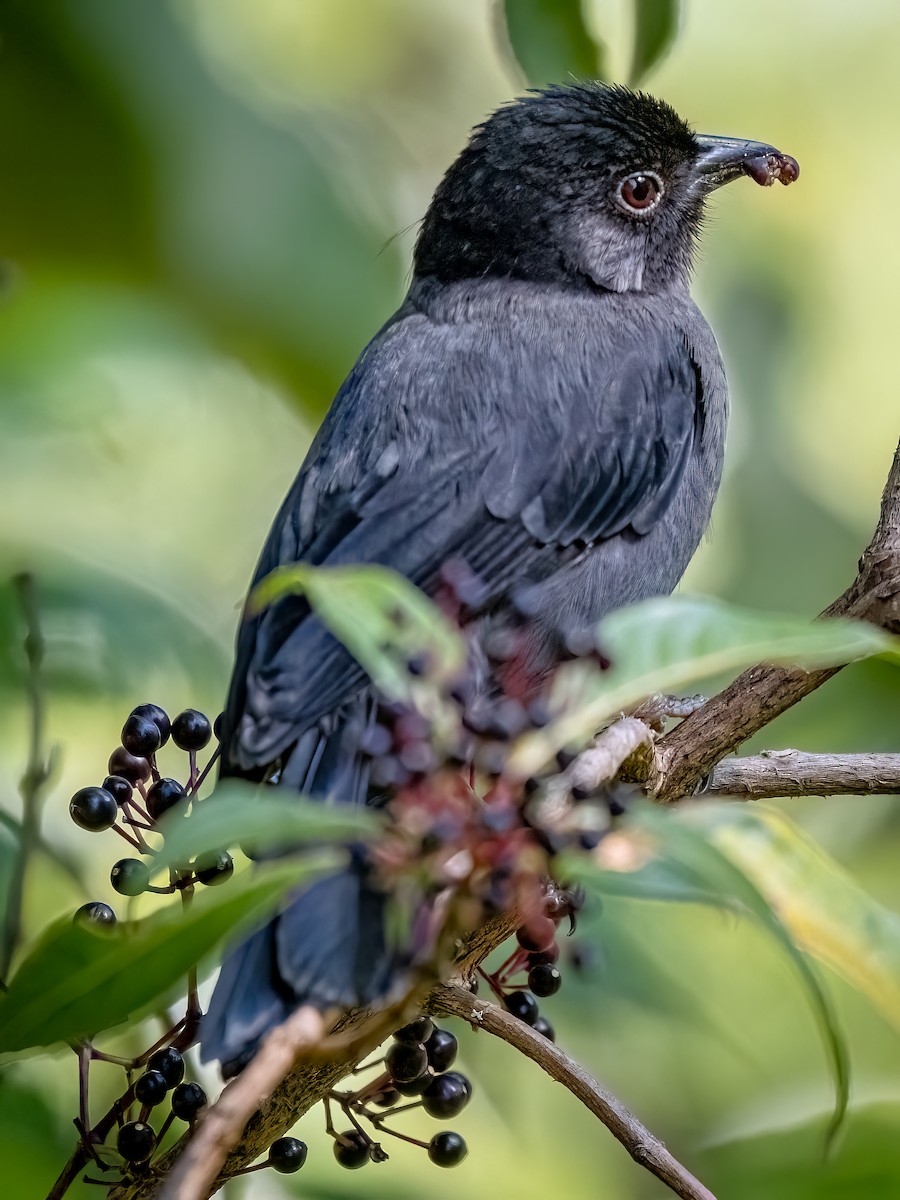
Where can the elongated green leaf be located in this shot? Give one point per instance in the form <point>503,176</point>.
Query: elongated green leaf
<point>670,643</point>
<point>76,983</point>
<point>825,910</point>
<point>382,619</point>
<point>670,848</point>
<point>238,814</point>
<point>655,27</point>
<point>551,41</point>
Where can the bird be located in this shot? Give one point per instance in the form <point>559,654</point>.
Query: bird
<point>548,406</point>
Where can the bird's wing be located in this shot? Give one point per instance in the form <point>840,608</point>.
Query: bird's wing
<point>444,444</point>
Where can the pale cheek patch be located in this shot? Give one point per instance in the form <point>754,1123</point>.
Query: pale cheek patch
<point>611,254</point>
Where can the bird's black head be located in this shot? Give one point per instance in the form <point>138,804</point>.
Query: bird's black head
<point>583,184</point>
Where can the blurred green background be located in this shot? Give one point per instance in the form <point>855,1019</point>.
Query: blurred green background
<point>206,208</point>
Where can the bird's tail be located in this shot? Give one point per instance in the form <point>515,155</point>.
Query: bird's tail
<point>328,948</point>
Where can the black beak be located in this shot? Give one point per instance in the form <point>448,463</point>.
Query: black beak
<point>722,159</point>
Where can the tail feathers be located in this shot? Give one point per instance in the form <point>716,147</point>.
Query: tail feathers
<point>248,1000</point>
<point>329,947</point>
<point>330,944</point>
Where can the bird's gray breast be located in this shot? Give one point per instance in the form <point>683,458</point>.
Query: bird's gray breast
<point>630,567</point>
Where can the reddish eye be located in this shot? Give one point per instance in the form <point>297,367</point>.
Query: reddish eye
<point>639,193</point>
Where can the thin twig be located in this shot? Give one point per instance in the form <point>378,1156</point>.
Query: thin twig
<point>38,771</point>
<point>196,1170</point>
<point>776,773</point>
<point>646,1149</point>
<point>355,1037</point>
<point>691,750</point>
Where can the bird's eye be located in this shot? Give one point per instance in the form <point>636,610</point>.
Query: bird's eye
<point>639,193</point>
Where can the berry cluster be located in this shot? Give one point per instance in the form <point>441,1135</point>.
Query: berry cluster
<point>130,801</point>
<point>164,1073</point>
<point>468,840</point>
<point>417,1069</point>
<point>135,795</point>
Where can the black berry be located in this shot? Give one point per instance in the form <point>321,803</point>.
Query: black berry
<point>136,1141</point>
<point>191,730</point>
<point>544,980</point>
<point>416,1032</point>
<point>537,934</point>
<point>405,1062</point>
<point>118,787</point>
<point>376,741</point>
<point>414,1087</point>
<point>447,1149</point>
<point>95,915</point>
<point>215,870</point>
<point>522,1005</point>
<point>94,809</point>
<point>387,1097</point>
<point>140,736</point>
<point>163,795</point>
<point>446,1095</point>
<point>287,1155</point>
<point>187,1100</point>
<point>152,712</point>
<point>170,1065</point>
<point>151,1088</point>
<point>441,1049</point>
<point>352,1149</point>
<point>418,758</point>
<point>550,955</point>
<point>217,727</point>
<point>542,1025</point>
<point>129,877</point>
<point>130,767</point>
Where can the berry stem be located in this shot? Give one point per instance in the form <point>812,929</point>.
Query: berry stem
<point>84,1065</point>
<point>194,787</point>
<point>516,962</point>
<point>329,1123</point>
<point>164,1128</point>
<point>139,809</point>
<point>256,1167</point>
<point>136,824</point>
<point>368,1066</point>
<point>378,1122</point>
<point>128,838</point>
<point>391,1112</point>
<point>372,1088</point>
<point>492,984</point>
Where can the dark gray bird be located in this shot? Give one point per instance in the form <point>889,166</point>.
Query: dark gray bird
<point>548,405</point>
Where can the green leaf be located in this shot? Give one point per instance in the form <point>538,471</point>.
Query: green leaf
<point>76,983</point>
<point>668,855</point>
<point>551,42</point>
<point>238,814</point>
<point>825,910</point>
<point>655,27</point>
<point>382,619</point>
<point>104,633</point>
<point>673,642</point>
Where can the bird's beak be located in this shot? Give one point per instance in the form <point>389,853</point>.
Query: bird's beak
<point>722,159</point>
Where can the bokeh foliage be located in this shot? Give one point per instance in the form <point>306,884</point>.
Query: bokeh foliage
<point>198,224</point>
